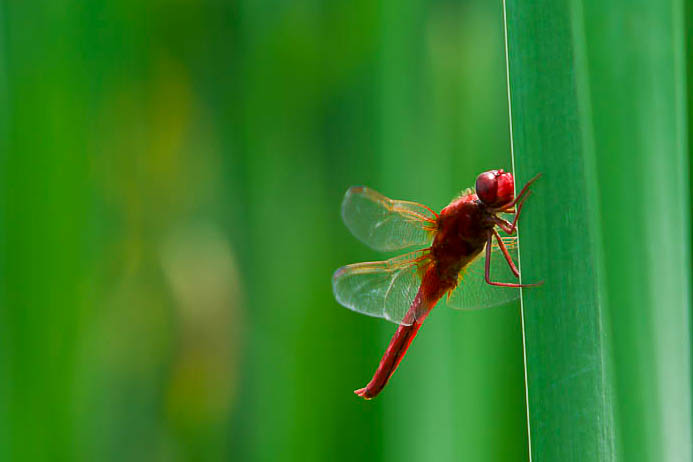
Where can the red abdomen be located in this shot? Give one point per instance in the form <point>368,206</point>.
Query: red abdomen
<point>430,291</point>
<point>461,234</point>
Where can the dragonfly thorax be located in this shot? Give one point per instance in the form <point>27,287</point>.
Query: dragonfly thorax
<point>462,231</point>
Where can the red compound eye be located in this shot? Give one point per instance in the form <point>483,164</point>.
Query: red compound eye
<point>495,187</point>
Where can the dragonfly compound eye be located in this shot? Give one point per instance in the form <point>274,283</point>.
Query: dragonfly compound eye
<point>506,188</point>
<point>487,187</point>
<point>495,187</point>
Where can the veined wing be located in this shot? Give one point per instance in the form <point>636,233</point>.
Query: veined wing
<point>384,289</point>
<point>473,292</point>
<point>385,224</point>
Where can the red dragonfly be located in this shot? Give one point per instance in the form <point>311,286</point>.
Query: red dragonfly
<point>405,289</point>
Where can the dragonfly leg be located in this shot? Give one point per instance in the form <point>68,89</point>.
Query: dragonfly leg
<point>507,256</point>
<point>523,191</point>
<point>487,270</point>
<point>504,224</point>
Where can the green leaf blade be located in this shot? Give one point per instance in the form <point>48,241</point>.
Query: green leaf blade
<point>596,106</point>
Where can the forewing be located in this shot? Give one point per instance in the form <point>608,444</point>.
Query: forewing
<point>474,293</point>
<point>384,289</point>
<point>385,224</point>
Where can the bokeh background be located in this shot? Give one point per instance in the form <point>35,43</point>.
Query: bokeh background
<point>170,183</point>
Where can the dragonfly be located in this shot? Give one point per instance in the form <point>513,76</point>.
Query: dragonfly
<point>462,251</point>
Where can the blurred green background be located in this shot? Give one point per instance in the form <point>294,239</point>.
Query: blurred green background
<point>171,176</point>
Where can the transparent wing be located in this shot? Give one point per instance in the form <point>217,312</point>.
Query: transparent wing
<point>384,289</point>
<point>474,293</point>
<point>385,224</point>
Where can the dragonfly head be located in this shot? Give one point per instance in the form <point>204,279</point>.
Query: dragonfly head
<point>495,188</point>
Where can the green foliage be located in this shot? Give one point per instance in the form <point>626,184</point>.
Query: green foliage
<point>597,106</point>
<point>171,176</point>
<point>170,182</point>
